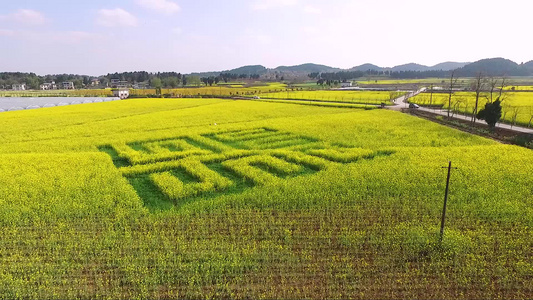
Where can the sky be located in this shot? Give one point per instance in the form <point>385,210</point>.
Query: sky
<point>96,37</point>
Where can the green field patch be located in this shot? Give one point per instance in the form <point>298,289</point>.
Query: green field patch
<point>239,183</point>
<point>138,147</point>
<point>149,193</point>
<point>115,157</point>
<point>341,155</point>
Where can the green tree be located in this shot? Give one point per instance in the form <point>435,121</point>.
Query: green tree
<point>171,82</point>
<point>194,80</point>
<point>492,113</point>
<point>78,83</point>
<point>32,82</point>
<point>156,83</point>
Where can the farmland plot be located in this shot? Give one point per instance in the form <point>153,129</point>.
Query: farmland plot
<point>197,198</point>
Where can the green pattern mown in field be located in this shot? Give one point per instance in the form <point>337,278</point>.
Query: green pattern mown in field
<point>178,170</point>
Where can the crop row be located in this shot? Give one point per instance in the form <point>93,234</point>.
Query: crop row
<point>251,168</point>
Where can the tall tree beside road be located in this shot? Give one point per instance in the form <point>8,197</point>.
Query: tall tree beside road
<point>478,85</point>
<point>452,86</point>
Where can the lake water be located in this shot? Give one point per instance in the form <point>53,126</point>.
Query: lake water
<point>13,103</point>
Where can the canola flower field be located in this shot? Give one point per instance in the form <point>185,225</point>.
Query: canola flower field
<point>357,97</point>
<point>211,198</point>
<point>517,107</point>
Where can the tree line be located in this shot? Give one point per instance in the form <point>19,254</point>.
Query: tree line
<point>155,80</point>
<point>33,81</point>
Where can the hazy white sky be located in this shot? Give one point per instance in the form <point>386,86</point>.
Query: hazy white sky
<point>99,36</point>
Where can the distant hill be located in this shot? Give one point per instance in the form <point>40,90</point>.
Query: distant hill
<point>493,67</point>
<point>248,70</point>
<point>261,70</point>
<point>447,66</point>
<point>528,66</point>
<point>366,67</point>
<point>307,68</point>
<point>413,67</point>
<point>410,67</point>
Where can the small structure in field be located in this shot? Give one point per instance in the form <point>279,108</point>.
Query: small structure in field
<point>346,84</point>
<point>121,93</point>
<point>19,87</point>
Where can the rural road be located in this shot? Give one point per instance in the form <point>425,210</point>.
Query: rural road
<point>443,112</point>
<point>400,103</point>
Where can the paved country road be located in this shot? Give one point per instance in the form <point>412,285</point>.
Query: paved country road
<point>401,102</point>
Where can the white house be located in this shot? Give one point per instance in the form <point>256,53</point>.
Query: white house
<point>121,93</point>
<point>68,85</point>
<point>19,87</point>
<point>48,86</point>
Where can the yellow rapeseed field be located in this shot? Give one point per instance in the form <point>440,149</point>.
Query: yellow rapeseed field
<point>212,198</point>
<point>517,107</point>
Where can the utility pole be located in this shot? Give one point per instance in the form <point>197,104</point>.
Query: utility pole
<point>445,200</point>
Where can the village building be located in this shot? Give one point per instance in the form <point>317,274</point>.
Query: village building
<point>114,81</point>
<point>48,86</point>
<point>140,86</point>
<point>19,87</point>
<point>68,85</point>
<point>119,84</point>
